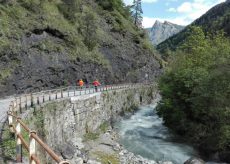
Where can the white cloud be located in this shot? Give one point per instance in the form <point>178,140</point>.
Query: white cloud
<point>172,9</point>
<point>185,7</point>
<point>148,22</point>
<point>197,6</point>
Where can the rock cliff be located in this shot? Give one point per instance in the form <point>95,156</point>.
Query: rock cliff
<point>162,31</point>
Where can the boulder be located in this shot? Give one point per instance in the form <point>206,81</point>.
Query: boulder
<point>67,151</point>
<point>194,161</point>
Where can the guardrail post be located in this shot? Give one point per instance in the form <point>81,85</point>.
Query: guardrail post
<point>10,121</point>
<point>26,102</point>
<point>19,143</point>
<point>56,95</point>
<point>32,100</point>
<point>43,99</point>
<point>49,96</point>
<point>61,93</point>
<point>38,101</point>
<point>14,109</point>
<point>32,147</point>
<point>68,91</point>
<point>16,105</point>
<point>20,105</point>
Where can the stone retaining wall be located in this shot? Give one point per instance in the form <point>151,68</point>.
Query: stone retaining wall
<point>66,121</point>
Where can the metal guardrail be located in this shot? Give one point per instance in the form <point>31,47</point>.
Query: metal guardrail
<point>23,102</point>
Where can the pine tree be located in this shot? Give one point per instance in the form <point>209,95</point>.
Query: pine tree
<point>137,12</point>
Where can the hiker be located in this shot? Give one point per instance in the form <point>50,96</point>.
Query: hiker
<point>96,84</point>
<point>81,83</point>
<point>86,83</point>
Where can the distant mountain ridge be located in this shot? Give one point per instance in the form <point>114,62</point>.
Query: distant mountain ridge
<point>216,19</point>
<point>162,31</point>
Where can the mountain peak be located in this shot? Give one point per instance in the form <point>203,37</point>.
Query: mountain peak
<point>168,23</point>
<point>157,22</point>
<point>162,31</point>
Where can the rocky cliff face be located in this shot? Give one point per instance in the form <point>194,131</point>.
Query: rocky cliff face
<point>42,46</point>
<point>162,31</point>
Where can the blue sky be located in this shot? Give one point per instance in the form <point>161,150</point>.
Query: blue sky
<point>181,12</point>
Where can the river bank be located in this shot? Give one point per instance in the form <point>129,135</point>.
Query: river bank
<point>107,149</point>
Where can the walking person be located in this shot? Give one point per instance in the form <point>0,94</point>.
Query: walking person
<point>86,83</point>
<point>81,83</point>
<point>96,84</point>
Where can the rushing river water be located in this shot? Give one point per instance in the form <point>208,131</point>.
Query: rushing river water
<point>144,134</point>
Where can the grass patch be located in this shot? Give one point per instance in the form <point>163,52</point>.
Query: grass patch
<point>5,73</point>
<point>91,136</point>
<point>39,122</point>
<point>104,127</point>
<point>8,144</point>
<point>107,158</point>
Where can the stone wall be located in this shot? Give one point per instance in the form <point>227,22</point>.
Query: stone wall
<point>66,121</point>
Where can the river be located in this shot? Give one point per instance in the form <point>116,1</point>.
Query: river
<point>144,134</point>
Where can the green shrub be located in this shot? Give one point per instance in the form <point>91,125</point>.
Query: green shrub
<point>70,8</point>
<point>104,127</point>
<point>91,136</point>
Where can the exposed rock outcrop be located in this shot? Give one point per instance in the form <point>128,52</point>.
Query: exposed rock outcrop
<point>162,31</point>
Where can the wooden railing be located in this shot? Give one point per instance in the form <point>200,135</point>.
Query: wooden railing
<point>25,101</point>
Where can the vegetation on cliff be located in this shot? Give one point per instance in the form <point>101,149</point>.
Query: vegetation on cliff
<point>195,92</point>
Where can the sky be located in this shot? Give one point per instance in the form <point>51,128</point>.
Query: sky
<point>181,12</point>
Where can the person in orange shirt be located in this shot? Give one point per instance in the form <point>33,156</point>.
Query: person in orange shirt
<point>96,84</point>
<point>81,83</point>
